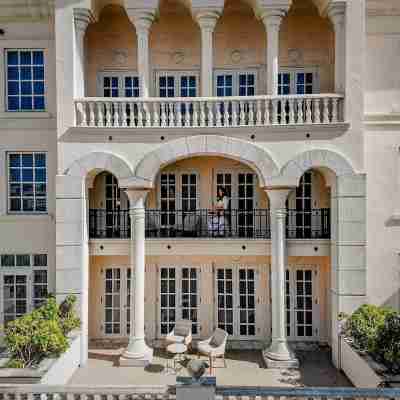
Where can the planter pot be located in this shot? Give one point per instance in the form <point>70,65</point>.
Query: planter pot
<point>49,372</point>
<point>358,368</point>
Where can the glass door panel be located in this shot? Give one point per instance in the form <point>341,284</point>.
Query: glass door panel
<point>112,301</point>
<point>189,297</point>
<point>247,302</point>
<point>225,308</point>
<point>15,296</point>
<point>245,222</point>
<point>167,299</point>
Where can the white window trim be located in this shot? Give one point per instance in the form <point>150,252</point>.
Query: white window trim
<point>4,67</point>
<point>236,72</point>
<point>236,299</point>
<point>294,70</point>
<point>14,213</point>
<point>121,76</point>
<point>177,74</point>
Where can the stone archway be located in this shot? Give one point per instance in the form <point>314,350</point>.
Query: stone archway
<point>250,154</point>
<point>72,253</point>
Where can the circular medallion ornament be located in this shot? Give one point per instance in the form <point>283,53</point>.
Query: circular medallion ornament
<point>178,57</point>
<point>236,56</point>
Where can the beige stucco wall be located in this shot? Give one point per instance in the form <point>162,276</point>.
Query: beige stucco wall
<point>306,39</point>
<point>206,289</point>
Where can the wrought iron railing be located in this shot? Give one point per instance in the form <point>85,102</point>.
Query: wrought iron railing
<point>205,223</point>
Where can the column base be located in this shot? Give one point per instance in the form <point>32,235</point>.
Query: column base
<point>137,354</point>
<point>280,356</point>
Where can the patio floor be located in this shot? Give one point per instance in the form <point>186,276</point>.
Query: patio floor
<point>244,368</point>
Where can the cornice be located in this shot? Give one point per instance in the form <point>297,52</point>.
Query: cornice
<point>25,10</point>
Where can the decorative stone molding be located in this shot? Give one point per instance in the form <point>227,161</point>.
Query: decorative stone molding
<point>208,18</point>
<point>82,18</point>
<point>142,19</point>
<point>295,168</point>
<point>252,155</point>
<point>101,162</point>
<point>236,56</point>
<point>336,11</point>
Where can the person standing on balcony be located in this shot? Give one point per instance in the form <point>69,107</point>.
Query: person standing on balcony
<point>218,222</point>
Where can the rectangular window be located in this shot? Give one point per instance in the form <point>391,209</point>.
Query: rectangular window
<point>177,84</point>
<point>25,86</point>
<point>298,81</point>
<point>27,182</point>
<point>118,84</point>
<point>235,83</point>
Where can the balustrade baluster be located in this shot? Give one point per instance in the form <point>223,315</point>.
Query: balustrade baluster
<point>234,113</point>
<point>335,110</point>
<point>266,112</point>
<point>92,119</point>
<point>163,115</point>
<point>202,113</point>
<point>108,114</point>
<point>156,115</point>
<point>124,115</point>
<point>317,112</point>
<point>210,122</point>
<point>308,111</point>
<point>275,119</point>
<point>131,117</point>
<point>259,113</point>
<point>147,116</point>
<point>218,105</point>
<point>116,114</point>
<point>326,110</point>
<point>284,113</point>
<point>83,112</point>
<point>291,111</point>
<point>171,116</point>
<point>226,113</point>
<point>187,114</point>
<point>179,114</point>
<point>100,114</point>
<point>300,114</point>
<point>242,115</point>
<point>195,117</point>
<point>251,113</point>
<point>140,115</point>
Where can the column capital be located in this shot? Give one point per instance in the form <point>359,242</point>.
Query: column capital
<point>272,16</point>
<point>82,18</point>
<point>207,18</point>
<point>277,199</point>
<point>137,197</point>
<point>142,19</point>
<point>336,11</point>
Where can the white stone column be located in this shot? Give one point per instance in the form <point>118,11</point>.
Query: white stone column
<point>337,14</point>
<point>272,19</point>
<point>142,20</point>
<point>207,22</point>
<point>278,355</point>
<point>82,18</point>
<point>137,353</point>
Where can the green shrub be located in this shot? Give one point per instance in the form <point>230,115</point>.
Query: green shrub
<point>41,333</point>
<point>68,318</point>
<point>363,325</point>
<point>387,343</point>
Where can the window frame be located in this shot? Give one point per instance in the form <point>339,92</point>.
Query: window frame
<point>22,212</point>
<point>6,50</point>
<point>177,74</point>
<point>121,75</point>
<point>293,71</point>
<point>235,79</point>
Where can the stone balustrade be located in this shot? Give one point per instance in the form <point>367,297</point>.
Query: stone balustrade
<point>209,112</point>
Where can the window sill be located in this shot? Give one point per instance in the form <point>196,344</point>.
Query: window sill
<point>25,115</point>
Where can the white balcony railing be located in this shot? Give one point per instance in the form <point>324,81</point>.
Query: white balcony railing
<point>210,112</point>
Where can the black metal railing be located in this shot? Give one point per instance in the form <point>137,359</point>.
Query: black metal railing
<point>312,224</point>
<point>205,223</point>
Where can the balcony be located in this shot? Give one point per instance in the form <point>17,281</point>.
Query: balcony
<point>205,223</point>
<point>239,115</point>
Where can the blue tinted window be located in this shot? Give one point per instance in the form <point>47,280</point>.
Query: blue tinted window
<point>25,80</point>
<point>27,182</point>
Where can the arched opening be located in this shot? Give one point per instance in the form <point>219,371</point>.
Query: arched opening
<point>207,197</point>
<point>239,45</point>
<point>111,55</point>
<point>307,51</point>
<point>175,51</point>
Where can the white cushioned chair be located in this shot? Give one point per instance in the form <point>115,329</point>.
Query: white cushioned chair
<point>182,333</point>
<point>214,347</point>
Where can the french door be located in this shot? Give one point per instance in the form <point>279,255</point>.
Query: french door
<point>235,300</point>
<point>302,303</point>
<point>178,297</point>
<point>116,301</point>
